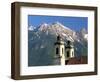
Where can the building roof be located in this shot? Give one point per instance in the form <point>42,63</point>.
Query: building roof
<point>75,60</point>
<point>59,38</point>
<point>59,41</point>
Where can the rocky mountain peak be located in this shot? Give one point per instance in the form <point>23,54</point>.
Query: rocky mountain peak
<point>31,28</point>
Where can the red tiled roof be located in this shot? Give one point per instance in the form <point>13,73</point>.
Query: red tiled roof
<point>81,60</point>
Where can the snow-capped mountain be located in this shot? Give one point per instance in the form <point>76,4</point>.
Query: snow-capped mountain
<point>57,29</point>
<point>84,33</point>
<point>41,41</point>
<point>31,28</point>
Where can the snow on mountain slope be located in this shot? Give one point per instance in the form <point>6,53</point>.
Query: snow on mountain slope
<point>41,42</point>
<point>57,28</point>
<point>31,28</point>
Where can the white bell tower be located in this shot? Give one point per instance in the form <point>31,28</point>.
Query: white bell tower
<point>69,50</point>
<point>60,50</point>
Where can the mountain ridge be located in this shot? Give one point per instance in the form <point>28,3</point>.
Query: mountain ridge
<point>41,42</point>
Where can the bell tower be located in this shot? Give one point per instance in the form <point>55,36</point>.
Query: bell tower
<point>69,50</point>
<point>60,50</point>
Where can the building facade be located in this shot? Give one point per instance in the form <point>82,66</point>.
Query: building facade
<point>63,52</point>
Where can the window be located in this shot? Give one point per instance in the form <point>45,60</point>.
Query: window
<point>57,50</point>
<point>62,50</point>
<point>68,54</point>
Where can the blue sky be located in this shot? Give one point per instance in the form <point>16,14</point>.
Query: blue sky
<point>75,23</point>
